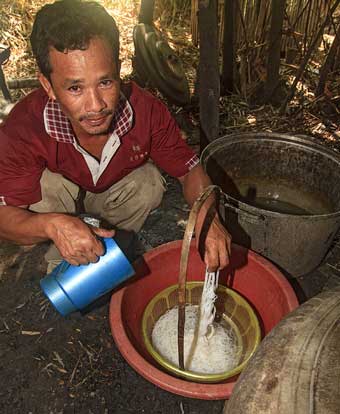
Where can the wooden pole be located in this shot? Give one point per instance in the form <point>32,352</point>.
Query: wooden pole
<point>146,12</point>
<point>228,47</point>
<point>209,78</point>
<point>274,50</point>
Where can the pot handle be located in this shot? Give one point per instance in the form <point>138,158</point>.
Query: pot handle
<point>250,216</point>
<point>189,230</point>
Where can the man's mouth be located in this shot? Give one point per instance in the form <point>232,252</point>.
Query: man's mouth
<point>96,121</point>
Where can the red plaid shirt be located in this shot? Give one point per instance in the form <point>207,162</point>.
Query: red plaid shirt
<point>37,135</point>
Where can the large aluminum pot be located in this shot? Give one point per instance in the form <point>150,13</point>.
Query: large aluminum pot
<point>282,195</point>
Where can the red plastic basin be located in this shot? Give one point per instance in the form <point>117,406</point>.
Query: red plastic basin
<point>254,277</point>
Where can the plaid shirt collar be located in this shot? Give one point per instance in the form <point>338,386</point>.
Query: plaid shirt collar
<point>59,127</point>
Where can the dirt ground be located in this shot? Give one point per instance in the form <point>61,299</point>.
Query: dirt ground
<point>51,364</point>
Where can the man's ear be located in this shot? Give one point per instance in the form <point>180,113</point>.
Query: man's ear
<point>46,84</point>
<point>118,67</point>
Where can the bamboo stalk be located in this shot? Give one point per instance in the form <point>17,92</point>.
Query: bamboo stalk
<point>194,27</point>
<point>291,30</point>
<point>306,28</point>
<point>228,47</point>
<point>325,69</point>
<point>208,71</point>
<point>306,58</point>
<point>273,58</point>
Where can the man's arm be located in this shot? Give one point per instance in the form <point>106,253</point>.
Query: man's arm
<point>75,240</point>
<point>217,242</point>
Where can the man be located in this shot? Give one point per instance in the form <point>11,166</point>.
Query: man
<point>86,130</point>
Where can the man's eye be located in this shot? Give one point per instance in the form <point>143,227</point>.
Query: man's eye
<point>106,82</point>
<point>74,88</point>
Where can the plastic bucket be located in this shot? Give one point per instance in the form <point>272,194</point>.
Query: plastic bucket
<point>253,277</point>
<point>72,288</point>
<point>282,196</point>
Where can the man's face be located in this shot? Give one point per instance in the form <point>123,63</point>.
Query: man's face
<point>86,84</point>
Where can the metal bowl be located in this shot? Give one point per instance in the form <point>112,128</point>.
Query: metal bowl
<point>232,310</point>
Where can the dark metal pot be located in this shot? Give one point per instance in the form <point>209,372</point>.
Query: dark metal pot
<point>282,195</point>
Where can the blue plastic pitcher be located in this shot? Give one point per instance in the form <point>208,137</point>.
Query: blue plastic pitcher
<point>72,288</point>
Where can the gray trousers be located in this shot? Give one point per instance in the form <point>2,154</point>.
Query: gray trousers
<point>125,205</point>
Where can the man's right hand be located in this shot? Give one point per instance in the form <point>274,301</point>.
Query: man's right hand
<point>75,240</point>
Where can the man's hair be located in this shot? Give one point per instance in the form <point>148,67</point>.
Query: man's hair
<point>70,25</point>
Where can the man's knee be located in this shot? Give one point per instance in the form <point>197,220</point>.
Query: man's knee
<point>58,194</point>
<point>128,203</point>
<point>150,187</point>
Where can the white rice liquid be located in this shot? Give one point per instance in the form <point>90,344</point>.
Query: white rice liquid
<point>201,355</point>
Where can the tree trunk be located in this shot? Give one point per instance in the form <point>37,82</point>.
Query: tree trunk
<point>274,50</point>
<point>328,64</point>
<point>228,48</point>
<point>209,87</point>
<point>146,12</point>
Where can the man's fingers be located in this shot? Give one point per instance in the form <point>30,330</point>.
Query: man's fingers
<point>211,258</point>
<point>97,249</point>
<point>217,254</point>
<point>223,255</point>
<point>92,257</point>
<point>85,257</point>
<point>73,262</point>
<point>103,232</point>
<point>77,242</point>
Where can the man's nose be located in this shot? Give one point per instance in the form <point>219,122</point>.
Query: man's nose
<point>94,102</point>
